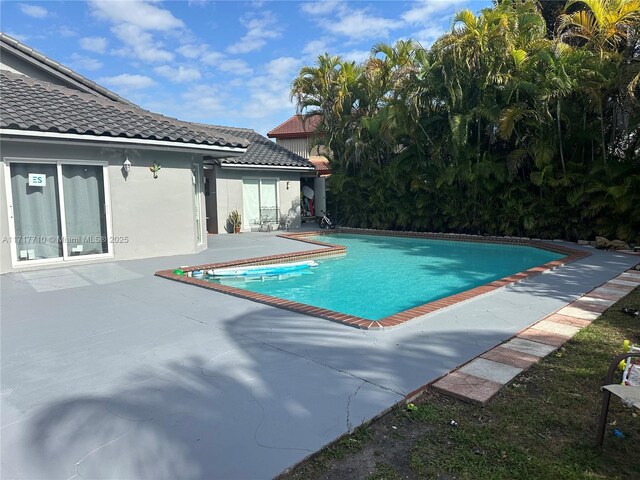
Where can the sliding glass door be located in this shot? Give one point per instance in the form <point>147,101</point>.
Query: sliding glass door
<point>84,210</point>
<point>36,213</point>
<point>59,210</point>
<point>260,201</point>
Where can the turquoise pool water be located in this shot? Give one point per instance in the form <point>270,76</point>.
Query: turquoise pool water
<point>381,275</point>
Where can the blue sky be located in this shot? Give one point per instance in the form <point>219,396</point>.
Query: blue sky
<point>227,63</point>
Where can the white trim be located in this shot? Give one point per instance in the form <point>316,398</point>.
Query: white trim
<point>104,163</point>
<point>265,167</point>
<point>118,140</point>
<point>58,162</point>
<point>198,196</point>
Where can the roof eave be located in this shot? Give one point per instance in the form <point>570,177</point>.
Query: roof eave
<point>35,135</point>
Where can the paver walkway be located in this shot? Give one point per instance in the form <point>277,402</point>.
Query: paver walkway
<point>483,377</point>
<point>110,372</point>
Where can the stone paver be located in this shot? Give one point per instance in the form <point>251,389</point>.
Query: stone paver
<point>624,282</point>
<point>578,313</point>
<point>543,337</point>
<point>490,370</point>
<point>630,277</point>
<point>619,287</point>
<point>567,320</point>
<point>530,347</point>
<point>590,306</point>
<point>502,363</point>
<point>467,387</point>
<point>603,301</point>
<point>608,293</point>
<point>508,356</point>
<point>558,328</point>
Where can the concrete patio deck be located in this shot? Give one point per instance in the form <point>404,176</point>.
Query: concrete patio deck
<point>110,372</point>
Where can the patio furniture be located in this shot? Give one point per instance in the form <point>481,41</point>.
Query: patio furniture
<point>628,393</point>
<point>269,216</point>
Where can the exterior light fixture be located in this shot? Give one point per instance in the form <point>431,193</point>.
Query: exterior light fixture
<point>126,165</point>
<point>287,184</point>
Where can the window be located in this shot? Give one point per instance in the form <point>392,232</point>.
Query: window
<point>260,201</point>
<point>58,210</point>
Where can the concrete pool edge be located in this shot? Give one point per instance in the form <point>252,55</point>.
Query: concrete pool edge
<point>400,318</point>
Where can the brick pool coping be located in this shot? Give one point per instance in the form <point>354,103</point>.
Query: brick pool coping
<point>571,255</point>
<point>480,379</point>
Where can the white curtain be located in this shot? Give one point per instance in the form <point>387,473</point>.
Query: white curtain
<point>250,203</point>
<point>35,212</point>
<point>85,218</point>
<point>268,201</point>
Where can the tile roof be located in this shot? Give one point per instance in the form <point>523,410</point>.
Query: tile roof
<point>321,163</point>
<point>262,151</point>
<point>36,105</point>
<point>61,69</point>
<point>296,127</point>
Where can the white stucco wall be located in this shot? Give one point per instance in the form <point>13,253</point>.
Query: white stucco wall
<point>229,193</point>
<point>156,216</point>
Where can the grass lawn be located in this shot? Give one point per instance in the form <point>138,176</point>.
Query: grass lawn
<point>541,426</point>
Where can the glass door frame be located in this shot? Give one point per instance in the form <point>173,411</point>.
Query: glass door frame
<point>198,196</point>
<point>15,263</point>
<point>260,179</point>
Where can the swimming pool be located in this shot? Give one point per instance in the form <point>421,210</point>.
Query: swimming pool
<point>383,275</point>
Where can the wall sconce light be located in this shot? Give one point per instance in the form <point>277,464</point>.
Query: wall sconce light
<point>287,184</point>
<point>126,165</point>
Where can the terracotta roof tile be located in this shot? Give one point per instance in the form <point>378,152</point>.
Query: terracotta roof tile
<point>296,127</point>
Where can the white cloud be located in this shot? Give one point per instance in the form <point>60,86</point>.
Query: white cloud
<point>283,68</point>
<point>359,24</point>
<point>429,34</point>
<point>319,8</point>
<point>142,14</point>
<point>269,92</point>
<point>140,44</point>
<point>215,59</point>
<point>423,12</point>
<point>212,58</point>
<point>203,99</point>
<point>19,36</point>
<point>94,44</point>
<point>34,11</point>
<point>357,56</point>
<point>315,48</point>
<point>180,74</point>
<point>66,32</point>
<point>127,81</point>
<point>235,67</point>
<point>433,17</point>
<point>260,28</point>
<point>85,63</point>
<point>192,51</point>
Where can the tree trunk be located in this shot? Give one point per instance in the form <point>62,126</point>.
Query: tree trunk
<point>564,168</point>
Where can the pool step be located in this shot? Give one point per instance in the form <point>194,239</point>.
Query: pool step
<point>479,380</point>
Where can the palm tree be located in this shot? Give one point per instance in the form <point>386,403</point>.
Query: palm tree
<point>604,25</point>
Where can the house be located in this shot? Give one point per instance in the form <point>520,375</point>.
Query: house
<point>298,135</point>
<point>88,176</point>
<point>263,184</point>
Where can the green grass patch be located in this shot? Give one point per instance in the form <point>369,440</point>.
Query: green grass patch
<point>542,425</point>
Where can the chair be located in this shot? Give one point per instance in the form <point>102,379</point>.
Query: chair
<point>628,393</point>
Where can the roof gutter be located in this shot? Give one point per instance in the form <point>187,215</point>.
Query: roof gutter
<point>115,141</point>
<point>239,166</point>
